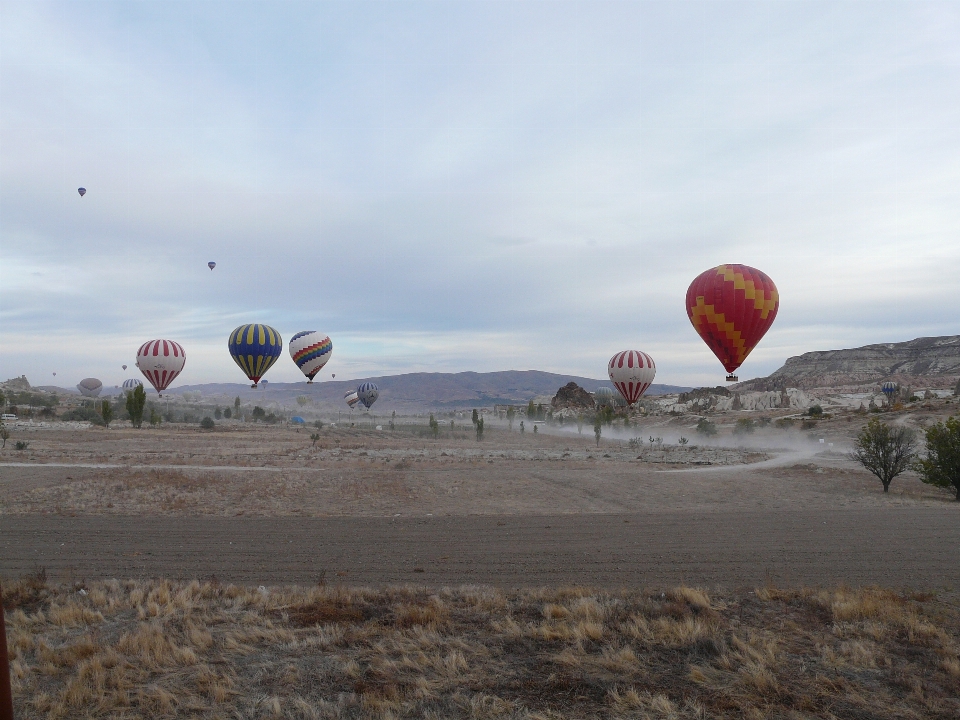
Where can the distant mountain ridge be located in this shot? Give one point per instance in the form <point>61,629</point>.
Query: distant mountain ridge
<point>414,392</point>
<point>930,361</point>
<point>421,391</point>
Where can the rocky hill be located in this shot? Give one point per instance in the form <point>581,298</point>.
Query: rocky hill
<point>932,362</point>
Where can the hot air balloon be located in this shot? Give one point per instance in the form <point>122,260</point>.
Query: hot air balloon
<point>351,397</point>
<point>255,348</point>
<point>631,373</point>
<point>732,307</point>
<point>310,350</point>
<point>889,388</point>
<point>368,393</point>
<point>333,375</point>
<point>603,395</point>
<point>130,385</point>
<point>211,264</point>
<point>124,367</point>
<point>90,387</point>
<point>161,361</point>
<point>54,374</point>
<point>82,191</point>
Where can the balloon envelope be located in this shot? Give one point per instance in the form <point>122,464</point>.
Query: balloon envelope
<point>255,348</point>
<point>124,367</point>
<point>310,350</point>
<point>131,384</point>
<point>161,361</point>
<point>631,372</point>
<point>82,191</point>
<point>603,395</point>
<point>211,264</point>
<point>351,398</point>
<point>732,307</point>
<point>90,387</point>
<point>889,388</point>
<point>368,393</point>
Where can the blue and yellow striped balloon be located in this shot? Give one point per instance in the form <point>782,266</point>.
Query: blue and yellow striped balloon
<point>255,348</point>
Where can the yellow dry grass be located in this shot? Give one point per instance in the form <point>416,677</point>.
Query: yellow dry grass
<point>162,649</point>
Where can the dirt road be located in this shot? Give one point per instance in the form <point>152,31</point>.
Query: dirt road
<point>896,546</point>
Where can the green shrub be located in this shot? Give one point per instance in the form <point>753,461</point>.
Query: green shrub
<point>706,428</point>
<point>784,423</point>
<point>83,414</point>
<point>207,423</point>
<point>744,426</point>
<point>941,466</point>
<point>21,445</point>
<point>815,411</point>
<point>884,450</point>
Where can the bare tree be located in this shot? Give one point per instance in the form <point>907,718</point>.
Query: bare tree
<point>884,450</point>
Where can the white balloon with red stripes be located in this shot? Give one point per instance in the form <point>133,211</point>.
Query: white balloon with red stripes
<point>631,372</point>
<point>161,361</point>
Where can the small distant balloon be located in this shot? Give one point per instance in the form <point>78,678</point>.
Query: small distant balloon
<point>211,264</point>
<point>124,367</point>
<point>368,393</point>
<point>54,374</point>
<point>333,375</point>
<point>82,191</point>
<point>90,387</point>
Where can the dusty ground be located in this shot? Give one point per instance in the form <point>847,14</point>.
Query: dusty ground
<point>415,518</point>
<point>545,508</point>
<point>204,650</point>
<point>276,471</point>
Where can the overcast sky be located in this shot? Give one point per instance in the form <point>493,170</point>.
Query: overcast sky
<point>447,186</point>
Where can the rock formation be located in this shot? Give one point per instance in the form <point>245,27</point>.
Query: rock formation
<point>936,360</point>
<point>572,396</point>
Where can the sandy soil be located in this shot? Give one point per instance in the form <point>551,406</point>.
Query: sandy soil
<point>510,510</point>
<point>895,547</point>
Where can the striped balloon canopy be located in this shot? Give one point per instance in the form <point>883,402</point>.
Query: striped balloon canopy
<point>631,372</point>
<point>310,350</point>
<point>255,348</point>
<point>131,384</point>
<point>351,398</point>
<point>731,308</point>
<point>368,393</point>
<point>603,395</point>
<point>889,388</point>
<point>161,361</point>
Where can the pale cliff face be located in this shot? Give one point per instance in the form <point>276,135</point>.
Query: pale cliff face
<point>935,360</point>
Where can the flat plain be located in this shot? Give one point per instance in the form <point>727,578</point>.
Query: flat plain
<point>527,575</point>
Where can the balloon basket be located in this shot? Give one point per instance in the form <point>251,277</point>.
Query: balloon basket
<point>253,387</point>
<point>732,378</point>
<point>310,381</point>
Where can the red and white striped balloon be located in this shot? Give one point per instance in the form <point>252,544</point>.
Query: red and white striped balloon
<point>631,373</point>
<point>161,361</point>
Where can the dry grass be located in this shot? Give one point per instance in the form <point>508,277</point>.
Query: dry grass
<point>166,649</point>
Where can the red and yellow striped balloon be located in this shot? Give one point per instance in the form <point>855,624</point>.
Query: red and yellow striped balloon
<point>732,307</point>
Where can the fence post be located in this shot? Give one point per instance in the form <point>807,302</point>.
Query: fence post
<point>6,696</point>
